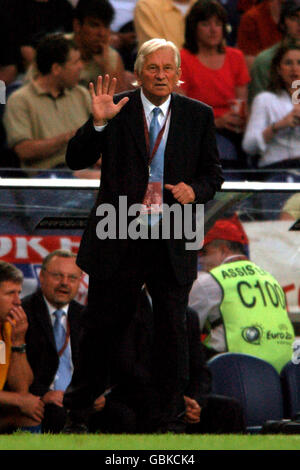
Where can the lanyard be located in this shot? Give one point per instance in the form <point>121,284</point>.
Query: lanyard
<point>66,339</point>
<point>158,139</point>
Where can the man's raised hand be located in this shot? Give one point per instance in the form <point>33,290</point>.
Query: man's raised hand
<point>103,106</point>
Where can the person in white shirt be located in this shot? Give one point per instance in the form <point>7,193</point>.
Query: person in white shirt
<point>273,129</point>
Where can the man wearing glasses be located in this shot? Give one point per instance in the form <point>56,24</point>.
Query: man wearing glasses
<point>53,331</point>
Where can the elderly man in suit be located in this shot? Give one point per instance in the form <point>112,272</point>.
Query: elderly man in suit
<point>179,161</point>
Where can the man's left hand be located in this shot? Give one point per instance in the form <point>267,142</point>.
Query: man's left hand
<point>182,192</point>
<point>18,320</point>
<point>99,403</point>
<point>193,410</point>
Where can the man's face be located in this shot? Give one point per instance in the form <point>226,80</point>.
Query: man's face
<point>292,25</point>
<point>92,34</point>
<point>60,281</point>
<point>159,75</point>
<point>69,73</point>
<point>9,297</point>
<point>211,256</point>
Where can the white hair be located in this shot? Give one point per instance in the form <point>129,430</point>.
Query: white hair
<point>151,46</point>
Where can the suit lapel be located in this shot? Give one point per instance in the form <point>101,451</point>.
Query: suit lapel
<point>43,318</point>
<point>136,122</point>
<point>172,144</point>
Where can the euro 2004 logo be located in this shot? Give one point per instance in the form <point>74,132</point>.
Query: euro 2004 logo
<point>252,334</point>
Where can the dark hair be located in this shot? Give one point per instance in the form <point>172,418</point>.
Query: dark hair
<point>288,9</point>
<point>53,48</point>
<point>202,11</point>
<point>100,9</point>
<point>276,83</point>
<point>9,272</point>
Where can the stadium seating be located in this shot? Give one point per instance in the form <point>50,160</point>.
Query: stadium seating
<point>290,378</point>
<point>253,382</point>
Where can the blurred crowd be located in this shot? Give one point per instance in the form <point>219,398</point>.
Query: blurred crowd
<point>241,57</point>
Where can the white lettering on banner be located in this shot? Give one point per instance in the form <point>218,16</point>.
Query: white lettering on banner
<point>21,248</point>
<point>69,244</point>
<point>34,243</point>
<point>26,249</point>
<point>5,246</point>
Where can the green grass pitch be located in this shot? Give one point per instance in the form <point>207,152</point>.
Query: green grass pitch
<point>26,441</point>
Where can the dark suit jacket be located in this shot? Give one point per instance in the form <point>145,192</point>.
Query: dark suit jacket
<point>191,156</point>
<point>41,350</point>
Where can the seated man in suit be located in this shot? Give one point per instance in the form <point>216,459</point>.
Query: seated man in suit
<point>53,345</point>
<point>53,317</point>
<point>18,407</point>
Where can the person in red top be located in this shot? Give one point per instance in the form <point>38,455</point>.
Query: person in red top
<point>258,29</point>
<point>215,74</point>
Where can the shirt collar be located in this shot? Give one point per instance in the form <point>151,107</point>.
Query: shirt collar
<point>40,91</point>
<point>148,106</point>
<point>52,309</point>
<point>169,5</point>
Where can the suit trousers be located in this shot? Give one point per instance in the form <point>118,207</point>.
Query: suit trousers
<point>111,306</point>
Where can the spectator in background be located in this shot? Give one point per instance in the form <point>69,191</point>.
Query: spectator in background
<point>258,29</point>
<point>25,22</point>
<point>238,302</point>
<point>91,26</point>
<point>215,74</point>
<point>53,346</point>
<point>42,115</point>
<point>18,407</point>
<point>289,25</point>
<point>157,19</point>
<point>123,37</point>
<point>273,129</point>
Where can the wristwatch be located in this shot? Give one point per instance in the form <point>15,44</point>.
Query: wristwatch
<point>19,349</point>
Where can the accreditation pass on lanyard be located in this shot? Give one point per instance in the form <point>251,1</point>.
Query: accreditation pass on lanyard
<point>152,203</point>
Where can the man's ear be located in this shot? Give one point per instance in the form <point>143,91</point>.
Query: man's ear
<point>41,276</point>
<point>139,81</point>
<point>55,69</point>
